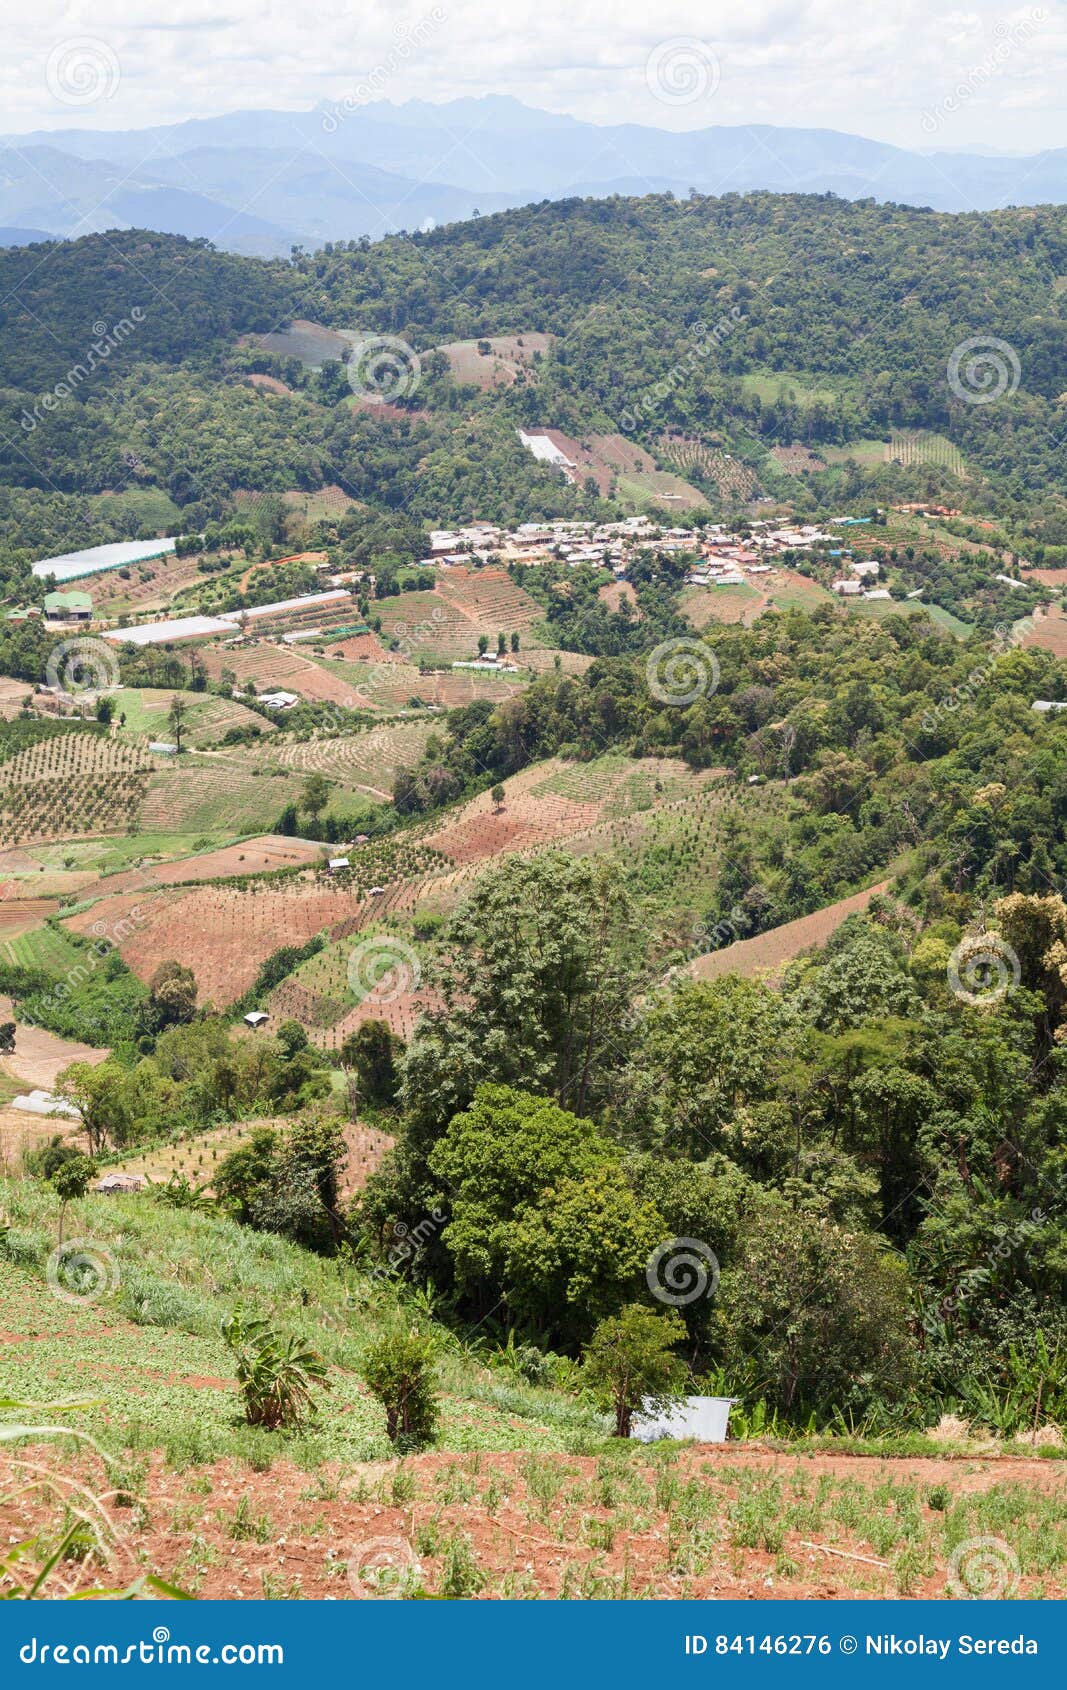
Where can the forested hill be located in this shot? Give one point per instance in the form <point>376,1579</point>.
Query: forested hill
<point>741,323</point>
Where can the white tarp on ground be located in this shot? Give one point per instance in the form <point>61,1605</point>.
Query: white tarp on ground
<point>702,1418</point>
<point>545,450</point>
<point>43,1103</point>
<point>71,566</point>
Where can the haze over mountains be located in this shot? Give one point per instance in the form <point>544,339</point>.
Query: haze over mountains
<point>260,182</point>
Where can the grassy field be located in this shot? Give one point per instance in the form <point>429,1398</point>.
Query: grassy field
<point>206,720</point>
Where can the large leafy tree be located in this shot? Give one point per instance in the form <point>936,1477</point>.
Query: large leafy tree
<point>539,969</point>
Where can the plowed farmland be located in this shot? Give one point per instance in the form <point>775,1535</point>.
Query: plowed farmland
<point>223,933</point>
<point>768,952</point>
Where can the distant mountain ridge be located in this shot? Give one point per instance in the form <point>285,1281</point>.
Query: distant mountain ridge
<point>260,182</point>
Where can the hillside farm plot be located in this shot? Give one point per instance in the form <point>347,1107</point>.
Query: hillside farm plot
<point>20,915</point>
<point>312,343</point>
<point>427,624</point>
<point>704,605</point>
<point>392,686</point>
<point>223,933</point>
<point>12,695</point>
<point>265,854</point>
<point>275,667</point>
<point>922,446</point>
<point>1049,632</point>
<point>623,469</point>
<point>224,795</point>
<point>490,600</point>
<point>197,1158</point>
<point>151,585</point>
<point>365,762</point>
<point>497,361</point>
<point>39,1056</point>
<point>1054,578</point>
<point>734,480</point>
<point>797,460</point>
<point>375,974</point>
<point>70,785</point>
<point>768,953</point>
<point>207,716</point>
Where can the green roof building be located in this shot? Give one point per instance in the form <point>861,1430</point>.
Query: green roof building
<point>68,607</point>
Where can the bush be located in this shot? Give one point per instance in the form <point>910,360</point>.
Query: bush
<point>398,1370</point>
<point>630,1363</point>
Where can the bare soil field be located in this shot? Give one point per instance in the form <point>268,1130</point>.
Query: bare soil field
<point>251,856</point>
<point>731,1521</point>
<point>616,594</point>
<point>1049,632</point>
<point>269,384</point>
<point>18,914</point>
<point>274,667</point>
<point>769,952</point>
<point>12,693</point>
<point>499,367</point>
<point>39,1055</point>
<point>223,933</point>
<point>797,460</point>
<point>312,343</point>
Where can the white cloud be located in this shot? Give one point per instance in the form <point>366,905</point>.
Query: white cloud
<point>818,63</point>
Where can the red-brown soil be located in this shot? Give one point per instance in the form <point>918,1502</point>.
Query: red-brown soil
<point>518,1543</point>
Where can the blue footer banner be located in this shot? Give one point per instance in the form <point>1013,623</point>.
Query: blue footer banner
<point>518,1644</point>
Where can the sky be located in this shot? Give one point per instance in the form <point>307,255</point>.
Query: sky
<point>919,73</point>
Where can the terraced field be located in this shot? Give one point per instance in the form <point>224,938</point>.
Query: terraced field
<point>491,600</point>
<point>279,667</point>
<point>769,952</point>
<point>734,480</point>
<point>145,586</point>
<point>208,717</point>
<point>209,797</point>
<point>196,1159</point>
<point>375,974</point>
<point>366,762</point>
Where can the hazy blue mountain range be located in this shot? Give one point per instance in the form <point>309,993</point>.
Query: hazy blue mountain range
<point>259,182</point>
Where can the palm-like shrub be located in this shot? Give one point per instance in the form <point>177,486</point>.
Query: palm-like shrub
<point>275,1373</point>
